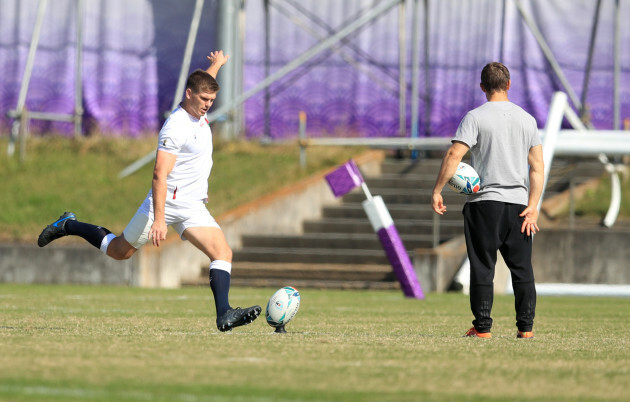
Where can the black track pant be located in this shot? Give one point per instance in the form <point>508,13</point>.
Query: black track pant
<point>490,226</point>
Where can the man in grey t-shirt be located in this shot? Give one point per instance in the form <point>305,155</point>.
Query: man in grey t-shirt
<point>506,151</point>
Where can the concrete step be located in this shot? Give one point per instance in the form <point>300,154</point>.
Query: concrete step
<point>452,225</point>
<point>404,181</point>
<point>368,241</point>
<point>414,196</point>
<point>406,166</point>
<point>397,211</point>
<point>302,284</point>
<point>316,284</point>
<point>310,255</point>
<point>307,275</point>
<point>324,271</point>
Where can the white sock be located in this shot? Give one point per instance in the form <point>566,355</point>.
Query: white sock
<point>105,242</point>
<point>222,265</point>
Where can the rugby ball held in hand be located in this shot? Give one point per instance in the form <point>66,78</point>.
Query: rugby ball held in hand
<point>465,180</point>
<point>283,306</point>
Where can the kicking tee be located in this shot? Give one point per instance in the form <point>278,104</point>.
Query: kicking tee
<point>189,139</point>
<point>500,135</point>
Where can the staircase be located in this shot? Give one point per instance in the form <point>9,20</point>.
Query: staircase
<point>341,251</point>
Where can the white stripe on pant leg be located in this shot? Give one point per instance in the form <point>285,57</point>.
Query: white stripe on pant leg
<point>222,265</point>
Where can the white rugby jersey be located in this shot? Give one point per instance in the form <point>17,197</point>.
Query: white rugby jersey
<point>189,139</point>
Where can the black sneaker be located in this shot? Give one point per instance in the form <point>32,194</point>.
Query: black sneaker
<point>235,317</point>
<point>55,230</point>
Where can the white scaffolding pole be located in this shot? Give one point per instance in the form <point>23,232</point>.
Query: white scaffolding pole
<point>402,70</point>
<point>229,43</point>
<point>19,111</point>
<point>181,82</point>
<point>26,79</point>
<point>427,73</point>
<point>531,24</point>
<point>617,68</point>
<point>415,69</point>
<point>190,45</point>
<point>340,48</point>
<point>306,56</point>
<point>589,62</point>
<point>78,71</point>
<point>329,42</point>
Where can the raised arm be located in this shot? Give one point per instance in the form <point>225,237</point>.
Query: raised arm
<point>217,60</point>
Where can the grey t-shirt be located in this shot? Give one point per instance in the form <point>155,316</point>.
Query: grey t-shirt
<point>500,135</point>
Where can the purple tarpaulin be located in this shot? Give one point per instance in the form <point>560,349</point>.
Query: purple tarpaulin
<point>133,52</point>
<point>132,55</point>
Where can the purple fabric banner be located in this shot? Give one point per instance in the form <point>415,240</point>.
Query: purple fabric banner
<point>132,55</point>
<point>344,179</point>
<point>342,100</point>
<point>119,64</point>
<point>133,52</point>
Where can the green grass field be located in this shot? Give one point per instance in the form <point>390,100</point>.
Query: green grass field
<point>114,344</point>
<point>109,343</point>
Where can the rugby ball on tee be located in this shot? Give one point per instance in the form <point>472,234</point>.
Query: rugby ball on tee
<point>283,306</point>
<point>465,180</point>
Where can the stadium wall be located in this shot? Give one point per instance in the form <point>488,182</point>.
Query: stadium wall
<point>597,255</point>
<point>581,256</point>
<point>560,255</point>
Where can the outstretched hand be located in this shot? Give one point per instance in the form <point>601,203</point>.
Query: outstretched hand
<point>218,58</point>
<point>529,223</point>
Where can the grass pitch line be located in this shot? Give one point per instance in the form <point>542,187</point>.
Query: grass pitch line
<point>54,391</point>
<point>579,289</point>
<point>86,394</point>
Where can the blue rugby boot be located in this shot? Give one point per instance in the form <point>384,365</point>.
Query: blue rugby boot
<point>55,230</point>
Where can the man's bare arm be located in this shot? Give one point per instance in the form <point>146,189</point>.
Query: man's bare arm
<point>217,60</point>
<point>448,168</point>
<point>164,163</point>
<point>536,185</point>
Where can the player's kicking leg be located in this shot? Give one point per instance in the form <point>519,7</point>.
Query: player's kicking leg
<point>98,236</point>
<point>212,242</point>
